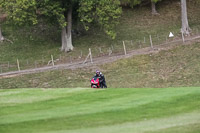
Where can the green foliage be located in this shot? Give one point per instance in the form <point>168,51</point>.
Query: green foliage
<point>86,12</point>
<point>104,12</point>
<point>108,12</point>
<point>27,11</point>
<point>53,11</point>
<point>20,11</point>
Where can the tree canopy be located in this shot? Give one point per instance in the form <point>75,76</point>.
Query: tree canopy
<point>103,12</point>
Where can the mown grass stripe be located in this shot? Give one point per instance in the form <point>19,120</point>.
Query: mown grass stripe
<point>67,108</point>
<point>141,126</point>
<point>35,95</point>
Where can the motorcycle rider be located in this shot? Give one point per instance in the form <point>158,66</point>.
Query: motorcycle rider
<point>101,78</point>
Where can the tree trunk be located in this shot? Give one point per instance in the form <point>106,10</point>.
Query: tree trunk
<point>66,33</point>
<point>153,7</point>
<point>69,31</point>
<point>1,36</point>
<point>64,39</point>
<point>185,26</point>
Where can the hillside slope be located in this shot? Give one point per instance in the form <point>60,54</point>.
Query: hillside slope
<point>176,67</point>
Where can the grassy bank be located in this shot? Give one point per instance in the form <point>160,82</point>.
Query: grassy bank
<point>172,68</point>
<point>89,110</point>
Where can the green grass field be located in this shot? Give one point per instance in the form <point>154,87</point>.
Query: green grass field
<point>81,110</point>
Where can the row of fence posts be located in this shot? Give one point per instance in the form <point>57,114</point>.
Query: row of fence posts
<point>124,46</point>
<point>27,62</point>
<point>52,61</point>
<point>110,51</point>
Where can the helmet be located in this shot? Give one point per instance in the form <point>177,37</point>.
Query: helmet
<point>97,72</point>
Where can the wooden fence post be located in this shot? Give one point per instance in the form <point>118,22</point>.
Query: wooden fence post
<point>81,53</point>
<point>18,65</point>
<point>89,55</point>
<point>90,52</point>
<point>100,50</point>
<point>124,47</point>
<point>109,51</point>
<point>151,41</point>
<point>8,64</point>
<point>52,60</point>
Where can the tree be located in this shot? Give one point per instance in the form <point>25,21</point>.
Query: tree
<point>2,19</point>
<point>153,7</point>
<point>66,33</point>
<point>184,19</point>
<point>1,36</point>
<point>104,12</point>
<point>19,11</point>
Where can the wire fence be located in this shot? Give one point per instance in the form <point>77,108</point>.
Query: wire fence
<point>117,48</point>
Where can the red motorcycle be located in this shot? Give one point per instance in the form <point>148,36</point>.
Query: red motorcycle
<point>95,83</point>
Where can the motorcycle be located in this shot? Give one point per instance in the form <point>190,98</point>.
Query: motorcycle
<point>95,83</point>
